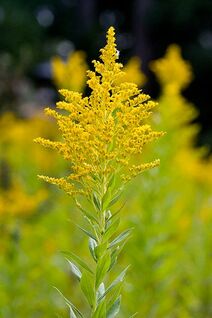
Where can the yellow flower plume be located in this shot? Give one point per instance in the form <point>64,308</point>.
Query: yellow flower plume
<point>72,73</point>
<point>173,73</point>
<point>133,73</point>
<point>104,133</point>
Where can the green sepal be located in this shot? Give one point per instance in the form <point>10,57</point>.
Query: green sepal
<point>103,266</point>
<point>87,286</point>
<point>79,261</point>
<point>114,309</point>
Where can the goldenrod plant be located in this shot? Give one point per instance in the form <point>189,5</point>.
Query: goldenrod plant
<point>103,136</point>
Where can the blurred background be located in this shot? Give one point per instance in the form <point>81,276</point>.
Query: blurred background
<point>47,45</point>
<point>34,31</point>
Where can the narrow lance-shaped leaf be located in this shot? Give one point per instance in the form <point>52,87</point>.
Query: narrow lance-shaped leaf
<point>100,311</point>
<point>114,309</point>
<point>96,202</point>
<point>89,215</point>
<point>78,260</point>
<point>121,237</point>
<point>134,315</point>
<point>100,291</point>
<point>99,250</point>
<point>68,303</point>
<point>92,246</point>
<point>87,286</point>
<point>116,251</point>
<point>88,233</point>
<point>75,270</point>
<point>114,200</point>
<point>106,199</point>
<point>72,314</point>
<point>118,280</point>
<point>102,267</point>
<point>111,229</point>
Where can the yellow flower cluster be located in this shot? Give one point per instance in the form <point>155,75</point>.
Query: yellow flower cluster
<point>195,166</point>
<point>173,73</point>
<point>103,134</point>
<point>133,73</point>
<point>72,73</point>
<point>16,147</point>
<point>16,202</point>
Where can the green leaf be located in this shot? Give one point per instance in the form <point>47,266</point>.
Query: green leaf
<point>72,314</point>
<point>92,246</point>
<point>106,199</point>
<point>100,292</point>
<point>118,280</point>
<point>121,237</point>
<point>87,286</point>
<point>103,266</point>
<point>100,311</point>
<point>117,212</point>
<point>78,260</point>
<point>68,303</point>
<point>115,293</point>
<point>89,215</point>
<point>115,253</point>
<point>89,234</point>
<point>111,182</point>
<point>135,314</point>
<point>96,201</point>
<point>114,309</point>
<point>99,250</point>
<point>75,270</point>
<point>111,229</point>
<point>114,200</point>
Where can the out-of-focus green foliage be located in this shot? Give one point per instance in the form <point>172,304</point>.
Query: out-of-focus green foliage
<point>170,209</point>
<point>170,256</point>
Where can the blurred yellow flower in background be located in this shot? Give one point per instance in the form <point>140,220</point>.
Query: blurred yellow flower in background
<point>133,73</point>
<point>173,73</point>
<point>70,74</point>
